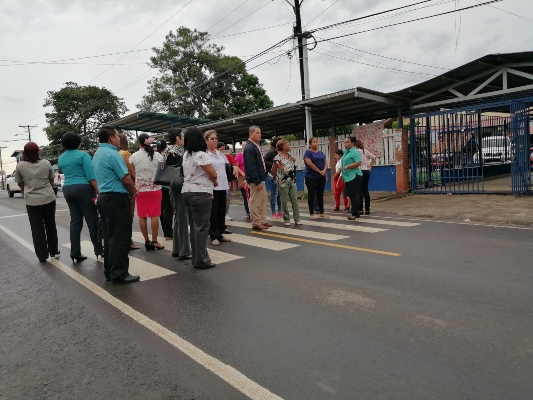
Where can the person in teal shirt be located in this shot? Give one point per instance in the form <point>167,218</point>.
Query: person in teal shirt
<point>79,189</point>
<point>116,187</point>
<point>351,174</point>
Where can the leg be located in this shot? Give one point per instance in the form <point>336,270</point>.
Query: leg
<point>144,228</point>
<point>311,192</point>
<point>256,203</point>
<point>353,187</point>
<point>364,189</point>
<point>91,217</point>
<point>184,246</point>
<point>76,218</point>
<point>246,207</point>
<point>278,197</point>
<point>37,231</point>
<point>344,196</point>
<point>166,213</point>
<point>199,210</point>
<point>320,194</point>
<point>337,192</point>
<point>273,192</point>
<point>263,204</point>
<point>49,217</point>
<point>284,193</point>
<point>214,227</point>
<point>154,225</point>
<point>227,201</point>
<point>221,212</point>
<point>293,195</point>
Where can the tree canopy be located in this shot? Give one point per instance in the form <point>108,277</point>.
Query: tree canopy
<point>197,79</point>
<point>82,109</point>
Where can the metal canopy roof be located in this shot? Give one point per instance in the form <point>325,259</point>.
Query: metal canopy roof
<point>494,76</point>
<point>147,121</point>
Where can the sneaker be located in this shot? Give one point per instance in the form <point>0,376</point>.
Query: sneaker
<point>346,210</point>
<point>313,216</point>
<point>215,242</point>
<point>223,239</point>
<point>297,222</point>
<point>276,216</point>
<point>228,218</point>
<point>287,223</point>
<point>336,209</point>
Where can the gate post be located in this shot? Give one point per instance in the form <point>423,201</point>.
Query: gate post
<point>401,152</point>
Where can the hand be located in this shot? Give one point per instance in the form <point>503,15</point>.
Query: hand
<point>338,186</point>
<point>346,167</point>
<point>215,183</point>
<point>280,166</point>
<point>292,159</point>
<point>259,187</point>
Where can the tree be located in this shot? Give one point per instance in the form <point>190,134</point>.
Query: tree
<point>82,109</point>
<point>196,79</point>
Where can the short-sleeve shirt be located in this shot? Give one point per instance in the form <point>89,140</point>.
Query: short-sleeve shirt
<point>196,179</point>
<point>239,159</point>
<point>350,156</point>
<point>338,167</point>
<point>145,170</point>
<point>77,167</point>
<point>286,176</point>
<point>36,179</point>
<point>219,162</point>
<point>109,168</point>
<point>365,156</point>
<point>319,159</point>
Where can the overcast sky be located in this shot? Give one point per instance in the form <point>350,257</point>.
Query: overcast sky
<point>33,32</point>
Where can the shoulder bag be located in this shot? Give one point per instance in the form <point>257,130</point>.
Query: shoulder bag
<point>163,175</point>
<point>176,183</point>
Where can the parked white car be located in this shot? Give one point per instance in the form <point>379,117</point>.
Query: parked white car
<point>12,187</point>
<point>494,149</point>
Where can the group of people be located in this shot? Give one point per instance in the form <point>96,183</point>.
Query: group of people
<point>106,190</point>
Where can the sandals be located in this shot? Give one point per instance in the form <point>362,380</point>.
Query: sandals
<point>247,216</point>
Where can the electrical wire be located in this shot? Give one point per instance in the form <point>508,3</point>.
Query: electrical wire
<point>227,15</point>
<point>508,12</point>
<point>412,20</point>
<point>246,16</point>
<point>327,8</point>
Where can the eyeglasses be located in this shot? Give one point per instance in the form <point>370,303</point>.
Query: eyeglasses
<point>213,138</point>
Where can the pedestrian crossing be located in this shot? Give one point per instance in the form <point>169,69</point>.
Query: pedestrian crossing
<point>279,239</point>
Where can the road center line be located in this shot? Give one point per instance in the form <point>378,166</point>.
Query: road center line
<point>342,246</point>
<point>229,374</point>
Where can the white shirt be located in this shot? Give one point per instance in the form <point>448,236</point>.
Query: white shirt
<point>196,179</point>
<point>366,155</point>
<point>145,170</point>
<point>219,162</point>
<point>338,167</point>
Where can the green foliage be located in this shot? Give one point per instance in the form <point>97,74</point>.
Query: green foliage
<point>186,61</point>
<point>82,109</point>
<point>341,130</point>
<point>291,137</point>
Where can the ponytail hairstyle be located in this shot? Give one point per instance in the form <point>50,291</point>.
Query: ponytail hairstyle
<point>359,145</point>
<point>145,142</point>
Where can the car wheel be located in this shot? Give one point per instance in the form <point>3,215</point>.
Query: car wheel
<point>9,192</point>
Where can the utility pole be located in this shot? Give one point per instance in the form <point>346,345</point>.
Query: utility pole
<point>304,67</point>
<point>2,167</point>
<point>29,128</point>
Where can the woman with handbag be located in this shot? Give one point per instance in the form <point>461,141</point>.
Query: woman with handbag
<point>166,208</point>
<point>241,181</point>
<point>181,247</point>
<point>148,201</point>
<point>197,192</point>
<point>217,224</point>
<point>124,151</point>
<point>79,189</point>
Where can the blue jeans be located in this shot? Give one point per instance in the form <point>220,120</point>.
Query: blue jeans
<point>274,194</point>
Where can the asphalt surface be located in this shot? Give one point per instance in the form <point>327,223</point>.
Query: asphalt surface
<point>416,310</point>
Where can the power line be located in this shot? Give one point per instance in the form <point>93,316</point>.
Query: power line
<point>508,12</point>
<point>65,63</point>
<point>253,30</point>
<point>227,15</point>
<point>327,8</point>
<point>406,22</point>
<point>173,15</point>
<point>246,16</point>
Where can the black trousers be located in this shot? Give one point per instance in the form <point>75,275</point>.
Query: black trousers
<point>364,193</point>
<point>315,187</point>
<point>43,229</point>
<point>353,187</point>
<point>166,213</point>
<point>115,214</point>
<point>217,222</point>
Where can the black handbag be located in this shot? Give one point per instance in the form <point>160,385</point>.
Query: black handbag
<point>229,173</point>
<point>163,175</point>
<point>176,183</point>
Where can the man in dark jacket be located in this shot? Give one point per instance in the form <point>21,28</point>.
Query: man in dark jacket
<point>272,181</point>
<point>255,175</point>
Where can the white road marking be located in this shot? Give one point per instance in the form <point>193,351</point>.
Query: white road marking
<point>291,231</point>
<point>146,270</point>
<point>217,257</point>
<point>375,221</point>
<point>275,245</point>
<point>25,215</point>
<point>229,374</point>
<point>352,226</point>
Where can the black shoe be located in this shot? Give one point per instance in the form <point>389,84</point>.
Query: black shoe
<point>78,258</point>
<point>185,258</point>
<point>128,279</point>
<point>175,254</point>
<point>43,260</point>
<point>367,212</point>
<point>149,246</point>
<point>206,266</point>
<point>54,255</point>
<point>227,231</point>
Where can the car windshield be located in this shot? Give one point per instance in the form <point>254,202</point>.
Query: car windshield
<point>494,142</point>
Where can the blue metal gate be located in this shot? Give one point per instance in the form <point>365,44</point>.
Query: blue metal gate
<point>483,148</point>
<point>520,144</point>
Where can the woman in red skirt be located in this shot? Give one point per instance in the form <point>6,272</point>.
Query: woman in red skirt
<point>149,195</point>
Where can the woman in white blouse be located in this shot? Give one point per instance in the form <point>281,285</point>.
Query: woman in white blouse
<point>200,178</point>
<point>217,224</point>
<point>366,166</point>
<point>149,195</point>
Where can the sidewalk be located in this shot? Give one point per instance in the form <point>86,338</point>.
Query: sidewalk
<point>489,209</point>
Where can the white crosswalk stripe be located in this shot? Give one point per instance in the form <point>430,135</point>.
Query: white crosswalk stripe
<point>217,257</point>
<point>269,244</point>
<point>366,220</point>
<point>347,227</point>
<point>146,270</point>
<point>292,231</point>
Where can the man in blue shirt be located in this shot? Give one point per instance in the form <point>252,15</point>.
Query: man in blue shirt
<point>115,187</point>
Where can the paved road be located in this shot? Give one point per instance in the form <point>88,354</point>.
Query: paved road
<point>386,308</point>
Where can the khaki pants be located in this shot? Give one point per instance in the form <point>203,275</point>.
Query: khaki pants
<point>258,204</point>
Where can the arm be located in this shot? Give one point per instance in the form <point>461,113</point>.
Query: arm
<point>129,185</point>
<point>131,167</point>
<point>371,164</point>
<point>274,169</point>
<point>94,184</point>
<point>312,166</point>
